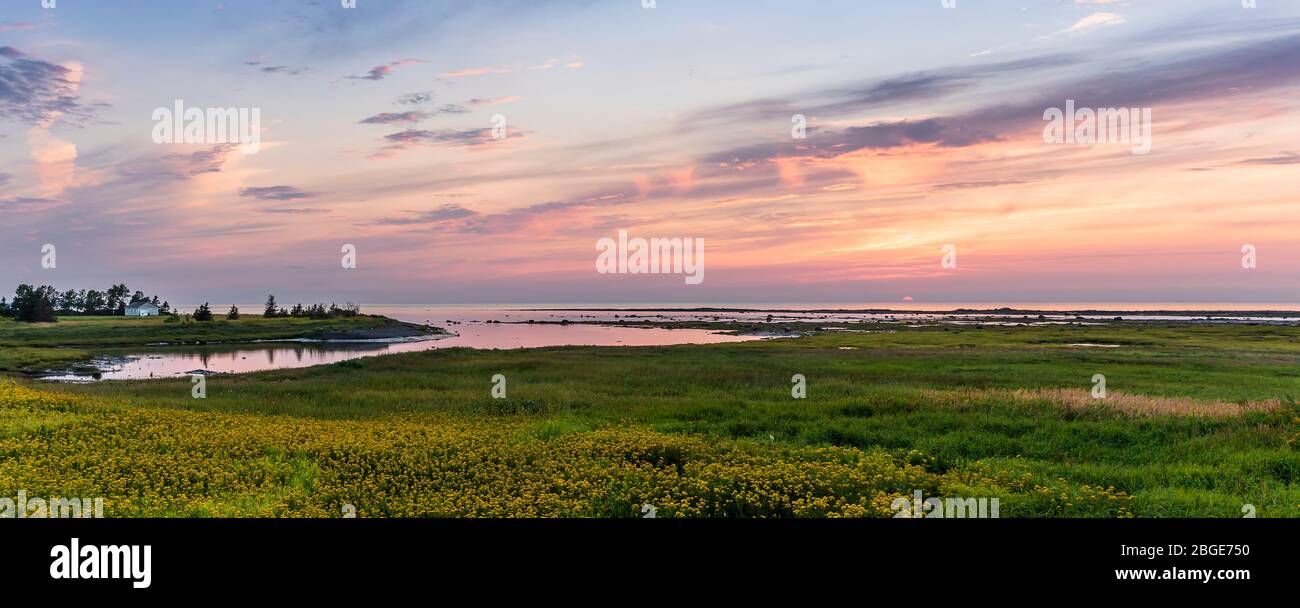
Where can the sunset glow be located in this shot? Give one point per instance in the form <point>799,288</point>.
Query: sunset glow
<point>924,128</point>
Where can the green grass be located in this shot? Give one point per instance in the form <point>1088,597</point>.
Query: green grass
<point>941,392</point>
<point>22,358</point>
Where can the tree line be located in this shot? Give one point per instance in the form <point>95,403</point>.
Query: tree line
<point>315,311</point>
<point>274,311</point>
<point>45,303</point>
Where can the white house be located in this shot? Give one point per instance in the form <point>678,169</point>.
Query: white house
<point>141,309</point>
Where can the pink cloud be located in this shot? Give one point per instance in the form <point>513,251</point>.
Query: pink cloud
<point>494,101</point>
<point>470,72</point>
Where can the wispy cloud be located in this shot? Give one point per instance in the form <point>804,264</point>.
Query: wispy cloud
<point>993,183</point>
<point>26,203</point>
<point>441,214</point>
<point>210,160</point>
<point>1093,20</point>
<point>467,137</point>
<point>293,210</point>
<point>16,26</point>
<point>1287,158</point>
<point>397,118</point>
<point>37,91</point>
<point>494,101</point>
<point>412,117</point>
<point>471,72</point>
<point>573,64</point>
<point>381,72</point>
<point>415,99</point>
<point>276,193</point>
<point>1259,66</point>
<point>277,69</point>
<point>404,140</point>
<point>881,93</point>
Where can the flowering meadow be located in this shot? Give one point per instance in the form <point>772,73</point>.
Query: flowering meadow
<point>149,462</point>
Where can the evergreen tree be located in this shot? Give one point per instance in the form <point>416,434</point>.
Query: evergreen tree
<point>203,313</point>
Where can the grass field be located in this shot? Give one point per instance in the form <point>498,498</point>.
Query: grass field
<point>1199,420</point>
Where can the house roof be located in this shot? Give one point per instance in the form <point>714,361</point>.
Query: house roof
<point>140,304</point>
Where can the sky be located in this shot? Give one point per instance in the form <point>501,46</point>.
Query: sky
<point>477,152</point>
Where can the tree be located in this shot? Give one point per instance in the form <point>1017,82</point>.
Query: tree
<point>22,300</point>
<point>203,313</point>
<point>166,308</point>
<point>271,308</point>
<point>34,304</point>
<point>116,297</point>
<point>71,301</point>
<point>139,296</point>
<point>44,304</point>
<point>234,313</point>
<point>95,303</point>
